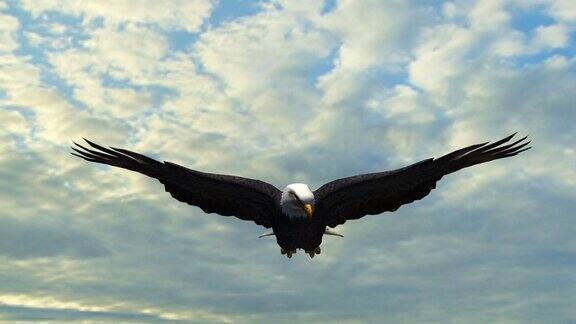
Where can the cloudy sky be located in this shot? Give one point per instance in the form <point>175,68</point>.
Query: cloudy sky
<point>286,91</point>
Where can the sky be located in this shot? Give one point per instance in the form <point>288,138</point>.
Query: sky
<point>286,91</point>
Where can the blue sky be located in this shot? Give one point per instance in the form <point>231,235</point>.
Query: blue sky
<point>286,91</point>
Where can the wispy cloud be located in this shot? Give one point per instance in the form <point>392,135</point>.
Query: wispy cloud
<point>286,91</point>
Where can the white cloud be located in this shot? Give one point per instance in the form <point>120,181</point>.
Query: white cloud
<point>167,14</point>
<point>57,122</point>
<point>13,123</point>
<point>286,94</point>
<point>8,25</point>
<point>438,60</point>
<point>553,36</point>
<point>511,43</point>
<point>565,10</point>
<point>265,62</point>
<point>376,33</point>
<point>489,15</point>
<point>130,53</point>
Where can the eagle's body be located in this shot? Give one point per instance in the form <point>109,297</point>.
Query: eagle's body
<point>292,235</point>
<point>291,226</point>
<point>298,216</point>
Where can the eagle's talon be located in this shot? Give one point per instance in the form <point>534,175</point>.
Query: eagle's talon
<point>312,253</point>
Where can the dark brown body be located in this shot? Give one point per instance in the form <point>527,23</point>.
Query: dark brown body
<point>292,234</point>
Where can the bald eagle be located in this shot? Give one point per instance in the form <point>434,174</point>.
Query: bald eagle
<point>298,216</point>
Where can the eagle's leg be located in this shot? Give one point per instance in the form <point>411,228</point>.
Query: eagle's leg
<point>312,253</point>
<point>287,252</point>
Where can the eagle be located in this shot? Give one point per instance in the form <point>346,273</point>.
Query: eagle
<point>299,216</point>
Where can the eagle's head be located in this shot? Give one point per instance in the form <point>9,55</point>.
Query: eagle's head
<point>297,201</point>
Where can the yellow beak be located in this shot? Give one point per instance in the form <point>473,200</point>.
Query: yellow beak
<point>308,210</point>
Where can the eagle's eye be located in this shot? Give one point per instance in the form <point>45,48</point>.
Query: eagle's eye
<point>297,198</point>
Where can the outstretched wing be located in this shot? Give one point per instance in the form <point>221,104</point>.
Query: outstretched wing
<point>247,199</point>
<point>374,193</point>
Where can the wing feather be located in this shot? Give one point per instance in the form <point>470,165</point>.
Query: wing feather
<point>227,195</point>
<point>375,193</point>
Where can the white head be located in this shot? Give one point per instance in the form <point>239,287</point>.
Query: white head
<point>297,201</point>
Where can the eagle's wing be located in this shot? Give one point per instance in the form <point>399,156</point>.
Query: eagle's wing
<point>374,193</point>
<point>226,195</point>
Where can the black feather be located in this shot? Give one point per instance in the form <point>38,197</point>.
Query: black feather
<point>375,193</point>
<point>226,195</point>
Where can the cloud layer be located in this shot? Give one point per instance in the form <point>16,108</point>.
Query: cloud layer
<point>286,91</point>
